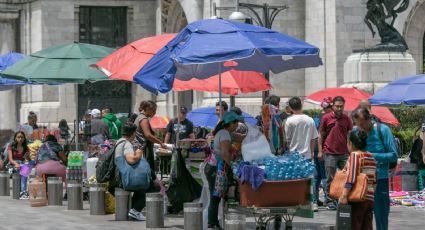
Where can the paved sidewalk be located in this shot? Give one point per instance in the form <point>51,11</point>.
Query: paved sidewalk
<point>18,215</point>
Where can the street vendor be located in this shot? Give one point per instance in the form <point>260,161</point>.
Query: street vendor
<point>180,124</point>
<point>219,162</point>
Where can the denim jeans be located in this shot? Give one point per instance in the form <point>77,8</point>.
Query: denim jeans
<point>332,163</point>
<point>382,204</point>
<point>211,173</point>
<point>319,178</point>
<point>23,179</point>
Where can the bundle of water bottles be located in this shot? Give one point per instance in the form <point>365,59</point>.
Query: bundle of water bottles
<point>288,167</point>
<point>74,170</point>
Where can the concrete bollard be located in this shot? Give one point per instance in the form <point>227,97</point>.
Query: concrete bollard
<point>235,221</point>
<point>75,195</point>
<point>97,199</point>
<point>54,191</point>
<point>16,188</point>
<point>122,204</point>
<point>4,184</point>
<point>193,216</point>
<point>154,210</point>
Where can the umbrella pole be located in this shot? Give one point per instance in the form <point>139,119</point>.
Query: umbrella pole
<point>178,122</point>
<point>219,88</point>
<point>77,124</point>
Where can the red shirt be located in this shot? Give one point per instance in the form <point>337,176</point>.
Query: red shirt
<point>17,156</point>
<point>337,130</point>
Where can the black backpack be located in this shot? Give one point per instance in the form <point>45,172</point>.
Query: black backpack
<point>105,166</point>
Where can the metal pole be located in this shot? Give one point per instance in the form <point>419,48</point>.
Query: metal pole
<point>97,199</point>
<point>219,88</point>
<point>77,126</point>
<point>154,210</point>
<point>193,216</point>
<point>16,188</point>
<point>75,195</point>
<point>4,184</point>
<point>232,101</point>
<point>268,25</point>
<point>54,191</point>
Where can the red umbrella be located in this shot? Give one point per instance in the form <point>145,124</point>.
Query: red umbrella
<point>232,82</point>
<point>159,122</point>
<point>352,97</point>
<point>125,62</point>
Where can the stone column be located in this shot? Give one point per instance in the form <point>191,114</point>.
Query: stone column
<point>8,110</point>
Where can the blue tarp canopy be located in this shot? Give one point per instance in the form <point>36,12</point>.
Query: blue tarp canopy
<point>206,117</point>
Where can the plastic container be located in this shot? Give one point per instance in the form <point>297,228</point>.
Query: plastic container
<point>276,193</point>
<point>91,166</point>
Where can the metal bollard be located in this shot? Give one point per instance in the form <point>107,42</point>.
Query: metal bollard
<point>16,188</point>
<point>122,204</point>
<point>4,184</point>
<point>75,195</point>
<point>193,216</point>
<point>154,210</point>
<point>54,191</point>
<point>97,199</point>
<point>235,221</point>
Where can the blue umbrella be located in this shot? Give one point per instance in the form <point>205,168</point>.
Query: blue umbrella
<point>5,61</point>
<point>10,59</point>
<point>409,91</point>
<point>205,117</point>
<point>7,84</point>
<point>204,48</point>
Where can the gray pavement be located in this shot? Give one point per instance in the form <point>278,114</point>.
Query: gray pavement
<point>17,215</point>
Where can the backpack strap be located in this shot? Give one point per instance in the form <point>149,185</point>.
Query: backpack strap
<point>381,137</point>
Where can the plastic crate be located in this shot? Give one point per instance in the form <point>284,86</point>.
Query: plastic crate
<point>276,193</point>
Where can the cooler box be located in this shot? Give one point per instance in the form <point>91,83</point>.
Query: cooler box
<point>276,193</point>
<point>405,177</point>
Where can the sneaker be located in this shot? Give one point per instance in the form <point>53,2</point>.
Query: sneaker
<point>23,196</point>
<point>315,207</point>
<point>331,206</point>
<point>136,215</point>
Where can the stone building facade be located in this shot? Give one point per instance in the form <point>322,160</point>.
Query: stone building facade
<point>335,26</point>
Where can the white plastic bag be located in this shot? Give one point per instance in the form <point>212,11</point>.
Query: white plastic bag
<point>255,145</point>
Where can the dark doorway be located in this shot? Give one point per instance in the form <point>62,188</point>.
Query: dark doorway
<point>106,26</point>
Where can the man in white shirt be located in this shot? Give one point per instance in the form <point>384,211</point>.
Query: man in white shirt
<point>300,130</point>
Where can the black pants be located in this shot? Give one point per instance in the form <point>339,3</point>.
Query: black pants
<point>211,173</point>
<point>138,200</point>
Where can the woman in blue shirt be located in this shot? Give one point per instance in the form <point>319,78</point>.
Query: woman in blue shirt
<point>380,142</point>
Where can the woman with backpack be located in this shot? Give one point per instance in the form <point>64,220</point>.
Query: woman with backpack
<point>360,161</point>
<point>18,153</point>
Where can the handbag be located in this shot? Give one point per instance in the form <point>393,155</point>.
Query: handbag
<point>134,177</point>
<point>358,191</point>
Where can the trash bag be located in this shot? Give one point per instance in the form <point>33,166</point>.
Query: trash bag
<point>255,145</point>
<point>183,187</point>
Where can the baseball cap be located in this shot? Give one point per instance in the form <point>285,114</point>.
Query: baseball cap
<point>231,116</point>
<point>183,109</point>
<point>95,113</point>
